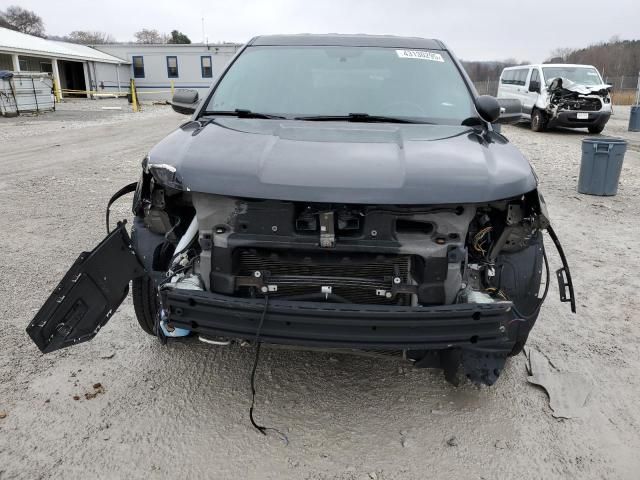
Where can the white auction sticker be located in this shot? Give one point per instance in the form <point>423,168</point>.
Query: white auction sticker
<point>420,54</point>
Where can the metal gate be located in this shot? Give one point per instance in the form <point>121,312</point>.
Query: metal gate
<point>25,92</point>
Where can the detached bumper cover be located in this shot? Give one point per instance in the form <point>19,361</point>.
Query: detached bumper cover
<point>343,325</point>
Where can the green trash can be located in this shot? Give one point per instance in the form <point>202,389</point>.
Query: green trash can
<point>601,164</point>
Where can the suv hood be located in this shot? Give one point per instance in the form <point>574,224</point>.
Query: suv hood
<point>342,162</point>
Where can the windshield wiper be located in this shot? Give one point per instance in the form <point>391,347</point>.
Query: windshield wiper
<point>358,117</point>
<point>241,113</point>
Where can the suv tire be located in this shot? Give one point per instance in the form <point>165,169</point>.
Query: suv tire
<point>145,302</point>
<point>538,120</point>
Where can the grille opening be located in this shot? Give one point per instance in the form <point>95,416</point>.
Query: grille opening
<point>413,226</point>
<point>353,277</point>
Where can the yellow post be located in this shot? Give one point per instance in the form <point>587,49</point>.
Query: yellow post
<point>56,91</point>
<point>172,88</point>
<point>134,97</point>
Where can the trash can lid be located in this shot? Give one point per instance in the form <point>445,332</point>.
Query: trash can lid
<point>604,140</point>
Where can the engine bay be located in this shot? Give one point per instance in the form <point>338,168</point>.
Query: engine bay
<point>353,254</point>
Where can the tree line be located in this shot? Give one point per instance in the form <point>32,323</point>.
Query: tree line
<point>615,58</point>
<point>479,71</point>
<point>26,21</point>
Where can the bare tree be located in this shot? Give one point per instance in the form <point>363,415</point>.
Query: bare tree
<point>148,36</point>
<point>22,20</point>
<point>90,37</point>
<point>562,52</point>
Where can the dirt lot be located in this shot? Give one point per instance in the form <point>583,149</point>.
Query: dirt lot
<point>181,411</point>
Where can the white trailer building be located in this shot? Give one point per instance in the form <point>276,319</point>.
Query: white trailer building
<point>157,67</point>
<point>76,69</point>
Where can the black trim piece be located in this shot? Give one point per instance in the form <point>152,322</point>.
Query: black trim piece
<point>342,325</point>
<point>90,292</point>
<point>120,193</point>
<point>565,283</point>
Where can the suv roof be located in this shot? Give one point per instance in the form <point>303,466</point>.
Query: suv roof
<point>348,41</point>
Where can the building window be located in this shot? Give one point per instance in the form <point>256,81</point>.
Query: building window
<point>205,66</point>
<point>24,64</point>
<point>138,67</point>
<point>172,67</point>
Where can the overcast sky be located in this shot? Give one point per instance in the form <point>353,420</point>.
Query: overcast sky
<point>487,30</point>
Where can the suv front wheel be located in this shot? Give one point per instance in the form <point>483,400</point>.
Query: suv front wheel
<point>145,302</point>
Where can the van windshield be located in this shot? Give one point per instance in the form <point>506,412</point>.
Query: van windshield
<point>295,81</point>
<point>580,75</point>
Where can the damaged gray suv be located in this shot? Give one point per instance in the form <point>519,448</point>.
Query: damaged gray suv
<point>335,192</point>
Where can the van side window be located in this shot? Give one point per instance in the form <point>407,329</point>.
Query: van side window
<point>521,76</point>
<point>507,77</point>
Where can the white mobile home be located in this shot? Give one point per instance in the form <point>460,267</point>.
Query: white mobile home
<point>156,68</point>
<point>75,68</point>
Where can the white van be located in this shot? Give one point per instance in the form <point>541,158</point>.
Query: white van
<point>555,94</point>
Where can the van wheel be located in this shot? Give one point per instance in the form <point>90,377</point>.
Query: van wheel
<point>596,129</point>
<point>145,302</point>
<point>538,121</point>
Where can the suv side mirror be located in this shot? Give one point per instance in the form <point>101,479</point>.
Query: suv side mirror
<point>488,108</point>
<point>510,110</point>
<point>534,86</point>
<point>185,101</point>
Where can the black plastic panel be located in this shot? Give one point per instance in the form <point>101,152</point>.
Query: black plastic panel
<point>88,295</point>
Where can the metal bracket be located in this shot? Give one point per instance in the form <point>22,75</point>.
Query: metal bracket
<point>259,280</point>
<point>566,293</point>
<point>514,214</point>
<point>327,230</point>
<point>565,282</point>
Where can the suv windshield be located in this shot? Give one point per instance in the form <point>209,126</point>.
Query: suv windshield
<point>292,81</point>
<point>581,75</point>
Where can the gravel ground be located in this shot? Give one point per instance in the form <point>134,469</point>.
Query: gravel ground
<point>181,410</point>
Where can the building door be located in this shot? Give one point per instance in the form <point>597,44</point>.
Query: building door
<point>72,78</point>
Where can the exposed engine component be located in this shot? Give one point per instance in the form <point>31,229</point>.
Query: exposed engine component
<point>570,96</point>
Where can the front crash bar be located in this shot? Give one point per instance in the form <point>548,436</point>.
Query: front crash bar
<point>340,325</point>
